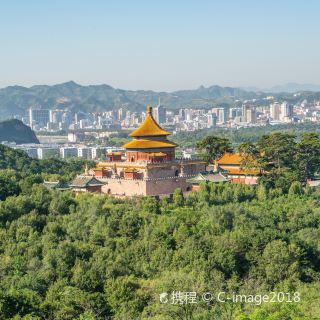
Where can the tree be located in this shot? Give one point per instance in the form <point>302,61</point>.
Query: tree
<point>178,198</point>
<point>151,205</point>
<point>213,147</point>
<point>262,193</point>
<point>249,154</point>
<point>277,151</point>
<point>296,189</point>
<point>276,159</point>
<point>307,157</point>
<point>9,185</point>
<point>125,297</point>
<point>280,261</point>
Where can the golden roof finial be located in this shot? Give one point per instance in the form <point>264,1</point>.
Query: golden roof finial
<point>149,110</point>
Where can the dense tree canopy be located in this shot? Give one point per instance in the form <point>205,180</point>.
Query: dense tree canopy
<point>90,257</point>
<point>213,147</point>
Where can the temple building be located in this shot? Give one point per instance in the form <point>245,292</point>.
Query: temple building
<point>150,167</point>
<point>231,165</point>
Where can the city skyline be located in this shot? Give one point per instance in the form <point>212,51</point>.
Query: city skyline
<point>159,46</point>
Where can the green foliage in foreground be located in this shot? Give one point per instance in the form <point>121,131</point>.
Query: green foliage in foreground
<point>93,257</point>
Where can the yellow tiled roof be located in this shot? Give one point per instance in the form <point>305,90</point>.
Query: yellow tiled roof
<point>113,153</point>
<point>130,170</point>
<point>230,158</point>
<point>237,171</point>
<point>149,127</point>
<point>157,154</point>
<point>148,144</point>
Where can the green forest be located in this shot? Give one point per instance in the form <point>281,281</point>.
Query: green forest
<point>93,257</point>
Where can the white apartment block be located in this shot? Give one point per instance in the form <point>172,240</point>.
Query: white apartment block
<point>68,152</point>
<point>85,153</point>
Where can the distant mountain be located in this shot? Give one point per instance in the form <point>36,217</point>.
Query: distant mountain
<point>70,95</point>
<point>294,87</point>
<point>15,100</point>
<point>15,131</point>
<point>252,89</point>
<point>290,87</point>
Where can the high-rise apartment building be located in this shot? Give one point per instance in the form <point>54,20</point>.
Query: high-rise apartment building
<point>121,114</point>
<point>85,153</point>
<point>251,116</point>
<point>159,113</point>
<point>220,114</point>
<point>245,112</point>
<point>234,112</point>
<point>39,117</point>
<point>212,120</point>
<point>275,111</point>
<point>68,152</point>
<point>48,152</point>
<point>286,111</point>
<point>55,116</point>
<point>188,114</point>
<point>182,114</point>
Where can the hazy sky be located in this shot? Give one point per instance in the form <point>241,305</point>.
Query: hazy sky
<point>159,44</point>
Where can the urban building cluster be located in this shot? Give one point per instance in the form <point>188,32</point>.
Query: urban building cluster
<point>56,120</point>
<point>53,120</point>
<point>84,129</point>
<point>65,151</point>
<point>249,113</point>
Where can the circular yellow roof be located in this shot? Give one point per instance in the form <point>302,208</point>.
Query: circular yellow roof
<point>149,127</point>
<point>149,144</point>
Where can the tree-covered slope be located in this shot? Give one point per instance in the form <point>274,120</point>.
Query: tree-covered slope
<point>18,172</point>
<point>94,257</point>
<point>16,131</point>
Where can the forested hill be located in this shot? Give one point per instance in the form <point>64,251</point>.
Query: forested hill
<point>91,257</point>
<point>16,131</point>
<point>17,99</point>
<point>94,257</point>
<point>18,172</point>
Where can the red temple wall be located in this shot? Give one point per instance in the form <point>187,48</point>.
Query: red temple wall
<point>114,158</point>
<point>133,156</point>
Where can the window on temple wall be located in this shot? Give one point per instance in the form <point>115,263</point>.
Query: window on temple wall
<point>132,159</point>
<point>176,173</point>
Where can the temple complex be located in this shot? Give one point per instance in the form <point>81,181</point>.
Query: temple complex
<point>149,167</point>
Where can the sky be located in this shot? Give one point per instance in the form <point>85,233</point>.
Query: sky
<point>162,45</point>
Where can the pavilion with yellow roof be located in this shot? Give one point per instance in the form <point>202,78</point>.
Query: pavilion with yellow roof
<point>150,142</point>
<point>149,166</point>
